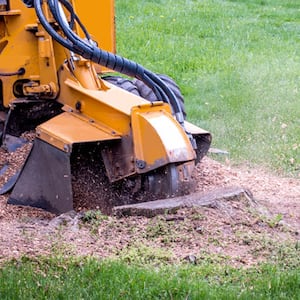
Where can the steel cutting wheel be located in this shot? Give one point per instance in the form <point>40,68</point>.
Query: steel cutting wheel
<point>170,181</point>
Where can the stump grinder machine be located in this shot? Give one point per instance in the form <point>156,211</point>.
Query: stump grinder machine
<point>104,126</point>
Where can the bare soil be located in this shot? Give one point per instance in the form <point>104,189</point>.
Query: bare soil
<point>241,231</point>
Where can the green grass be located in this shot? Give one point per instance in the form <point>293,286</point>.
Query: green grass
<point>238,66</point>
<point>59,278</point>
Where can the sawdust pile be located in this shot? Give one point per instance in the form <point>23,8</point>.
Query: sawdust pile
<point>91,187</point>
<point>231,229</point>
<point>92,190</point>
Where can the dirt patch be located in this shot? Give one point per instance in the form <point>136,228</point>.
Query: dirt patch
<point>245,232</point>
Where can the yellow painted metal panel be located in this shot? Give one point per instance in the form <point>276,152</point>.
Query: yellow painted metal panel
<point>20,46</point>
<point>193,129</point>
<point>158,137</point>
<point>99,19</point>
<point>66,129</point>
<point>111,106</point>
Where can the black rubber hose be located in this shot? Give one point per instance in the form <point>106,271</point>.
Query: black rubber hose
<point>70,8</point>
<point>112,61</point>
<point>83,49</point>
<point>28,3</point>
<point>67,30</point>
<point>21,71</point>
<point>158,91</point>
<point>175,104</point>
<point>48,27</point>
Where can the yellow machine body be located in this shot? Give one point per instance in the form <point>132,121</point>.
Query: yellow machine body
<point>136,136</point>
<point>25,44</point>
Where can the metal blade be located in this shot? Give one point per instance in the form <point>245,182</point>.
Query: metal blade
<point>45,180</point>
<point>12,143</point>
<point>10,183</point>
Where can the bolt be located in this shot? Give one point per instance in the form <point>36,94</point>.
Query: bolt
<point>78,105</point>
<point>67,148</point>
<point>141,164</point>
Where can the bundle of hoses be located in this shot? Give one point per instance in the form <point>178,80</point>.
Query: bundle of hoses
<point>88,49</point>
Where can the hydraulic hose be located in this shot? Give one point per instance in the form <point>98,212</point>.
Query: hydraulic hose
<point>88,49</point>
<point>21,71</point>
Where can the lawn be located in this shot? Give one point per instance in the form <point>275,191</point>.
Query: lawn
<point>93,279</point>
<point>237,64</point>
